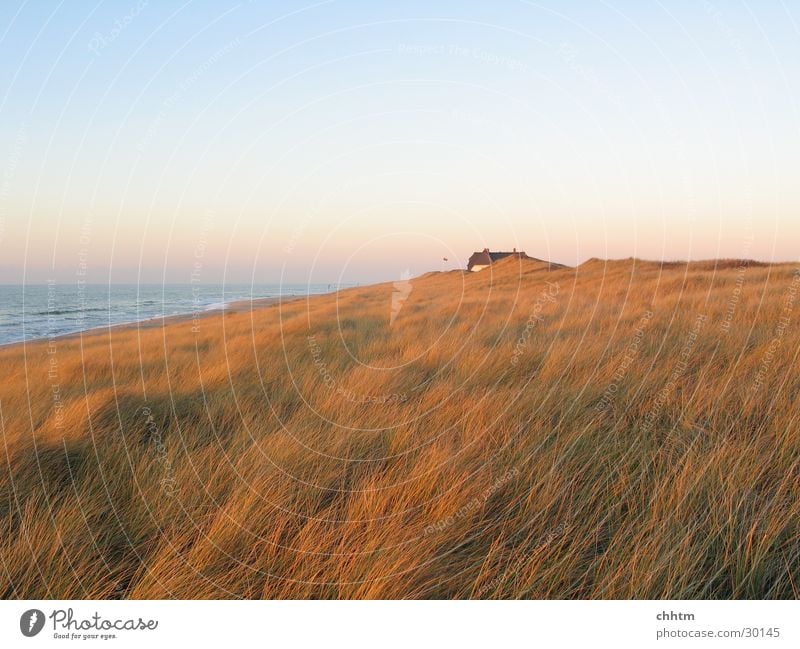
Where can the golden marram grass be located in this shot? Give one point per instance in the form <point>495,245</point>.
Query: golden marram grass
<point>622,429</point>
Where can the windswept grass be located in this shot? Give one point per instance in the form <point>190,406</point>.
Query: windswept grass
<point>623,429</point>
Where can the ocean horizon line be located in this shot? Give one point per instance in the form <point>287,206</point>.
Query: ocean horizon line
<point>151,284</point>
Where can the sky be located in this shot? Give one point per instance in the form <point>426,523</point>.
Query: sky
<point>335,141</point>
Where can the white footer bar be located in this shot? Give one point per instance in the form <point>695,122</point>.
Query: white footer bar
<point>224,624</point>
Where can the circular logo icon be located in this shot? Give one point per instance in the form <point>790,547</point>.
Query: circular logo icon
<point>31,622</point>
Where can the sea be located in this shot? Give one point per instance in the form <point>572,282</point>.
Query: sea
<point>34,311</point>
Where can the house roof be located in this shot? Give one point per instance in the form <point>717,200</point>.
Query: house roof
<point>486,257</point>
<point>502,255</point>
<point>480,259</point>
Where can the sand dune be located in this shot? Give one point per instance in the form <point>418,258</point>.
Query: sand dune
<point>621,429</point>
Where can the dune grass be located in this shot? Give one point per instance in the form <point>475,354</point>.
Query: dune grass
<point>622,429</point>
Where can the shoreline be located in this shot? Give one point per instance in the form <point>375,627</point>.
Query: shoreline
<point>234,306</point>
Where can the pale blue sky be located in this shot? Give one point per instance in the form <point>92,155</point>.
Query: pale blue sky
<point>351,141</point>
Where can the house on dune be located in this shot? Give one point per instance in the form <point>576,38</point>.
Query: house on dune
<point>484,258</point>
